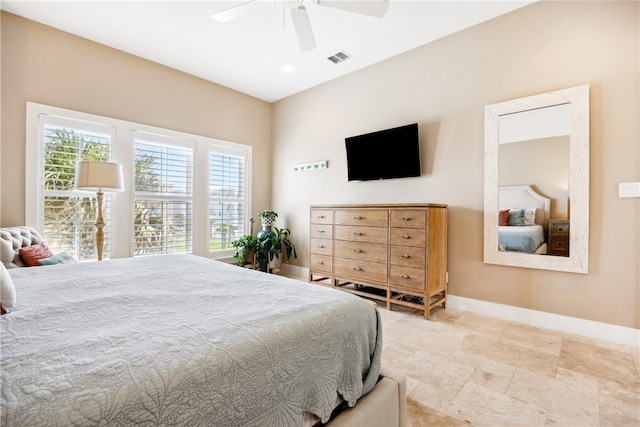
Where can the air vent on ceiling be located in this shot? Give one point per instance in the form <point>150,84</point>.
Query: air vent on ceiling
<point>339,57</point>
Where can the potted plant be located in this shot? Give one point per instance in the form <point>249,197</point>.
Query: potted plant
<point>245,249</point>
<point>267,217</point>
<point>272,247</point>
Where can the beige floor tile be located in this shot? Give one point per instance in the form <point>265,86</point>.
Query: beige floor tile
<point>443,374</point>
<point>466,369</point>
<point>479,406</point>
<point>564,399</point>
<point>431,395</point>
<point>419,415</point>
<point>512,354</point>
<point>532,337</point>
<point>619,403</point>
<point>479,324</point>
<point>488,373</point>
<point>635,353</point>
<point>599,362</point>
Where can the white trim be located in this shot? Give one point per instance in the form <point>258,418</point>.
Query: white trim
<point>556,322</point>
<point>541,319</point>
<point>123,153</point>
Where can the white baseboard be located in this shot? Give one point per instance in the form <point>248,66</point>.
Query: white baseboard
<point>557,322</point>
<point>295,270</point>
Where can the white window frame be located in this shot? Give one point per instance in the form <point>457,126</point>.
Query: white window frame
<point>123,153</point>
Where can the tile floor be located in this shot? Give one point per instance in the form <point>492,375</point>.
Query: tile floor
<point>467,369</point>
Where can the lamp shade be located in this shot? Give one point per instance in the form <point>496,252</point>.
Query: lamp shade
<point>99,176</point>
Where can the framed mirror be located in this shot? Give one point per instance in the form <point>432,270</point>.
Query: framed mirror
<point>536,181</point>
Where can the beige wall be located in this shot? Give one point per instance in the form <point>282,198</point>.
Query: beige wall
<point>44,65</point>
<point>444,86</point>
<point>541,163</point>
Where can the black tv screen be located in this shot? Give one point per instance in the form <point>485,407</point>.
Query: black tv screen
<point>385,154</point>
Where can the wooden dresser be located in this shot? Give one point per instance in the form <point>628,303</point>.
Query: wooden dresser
<point>393,253</point>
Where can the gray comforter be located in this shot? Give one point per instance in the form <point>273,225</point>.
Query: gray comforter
<point>179,340</point>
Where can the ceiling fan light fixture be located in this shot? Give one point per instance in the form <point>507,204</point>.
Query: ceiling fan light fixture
<point>302,25</point>
<point>375,8</point>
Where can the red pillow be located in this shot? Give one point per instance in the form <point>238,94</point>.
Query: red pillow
<point>504,217</point>
<point>31,255</point>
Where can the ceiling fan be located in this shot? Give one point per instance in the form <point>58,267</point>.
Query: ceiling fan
<point>300,18</point>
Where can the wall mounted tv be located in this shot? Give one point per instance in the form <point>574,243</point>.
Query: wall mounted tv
<point>385,154</point>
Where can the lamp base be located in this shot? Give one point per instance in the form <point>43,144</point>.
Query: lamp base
<point>99,227</point>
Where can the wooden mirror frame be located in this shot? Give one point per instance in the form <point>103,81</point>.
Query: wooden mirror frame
<point>578,259</point>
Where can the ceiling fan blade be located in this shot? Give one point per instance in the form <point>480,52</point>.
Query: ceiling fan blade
<point>303,29</point>
<point>235,12</point>
<point>375,8</point>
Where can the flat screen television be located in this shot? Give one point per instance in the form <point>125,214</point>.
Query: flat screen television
<point>385,154</point>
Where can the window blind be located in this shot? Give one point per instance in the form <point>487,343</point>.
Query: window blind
<point>69,215</point>
<point>227,200</point>
<point>163,208</point>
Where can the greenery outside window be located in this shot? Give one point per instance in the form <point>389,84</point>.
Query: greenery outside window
<point>183,192</point>
<point>69,215</point>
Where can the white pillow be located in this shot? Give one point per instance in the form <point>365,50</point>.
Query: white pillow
<point>530,217</point>
<point>7,290</point>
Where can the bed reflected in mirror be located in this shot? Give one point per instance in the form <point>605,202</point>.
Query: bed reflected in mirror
<point>533,152</point>
<point>536,211</point>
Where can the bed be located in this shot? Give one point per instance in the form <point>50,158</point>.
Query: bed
<point>523,218</point>
<point>180,340</point>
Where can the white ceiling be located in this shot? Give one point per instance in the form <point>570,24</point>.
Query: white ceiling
<point>248,53</point>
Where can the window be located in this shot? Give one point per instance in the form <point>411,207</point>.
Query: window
<point>183,192</point>
<point>68,215</point>
<point>227,199</point>
<point>163,206</point>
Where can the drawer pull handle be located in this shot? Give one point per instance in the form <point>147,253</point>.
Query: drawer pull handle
<point>321,263</point>
<point>406,236</point>
<point>321,217</point>
<point>358,250</point>
<point>320,231</point>
<point>357,217</point>
<point>358,233</point>
<point>405,256</point>
<point>321,246</point>
<point>357,268</point>
<point>405,276</point>
<point>406,218</point>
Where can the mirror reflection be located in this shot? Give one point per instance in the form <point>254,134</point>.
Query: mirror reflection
<point>533,179</point>
<point>536,174</point>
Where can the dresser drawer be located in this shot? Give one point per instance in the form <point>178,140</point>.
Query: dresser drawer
<point>321,216</point>
<point>371,218</point>
<point>361,234</point>
<point>559,227</point>
<point>321,231</point>
<point>408,236</point>
<point>561,245</point>
<point>360,270</point>
<point>321,246</point>
<point>408,219</point>
<point>409,256</point>
<point>407,277</point>
<point>321,263</point>
<point>374,252</point>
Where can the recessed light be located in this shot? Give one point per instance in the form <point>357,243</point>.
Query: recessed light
<point>288,69</point>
